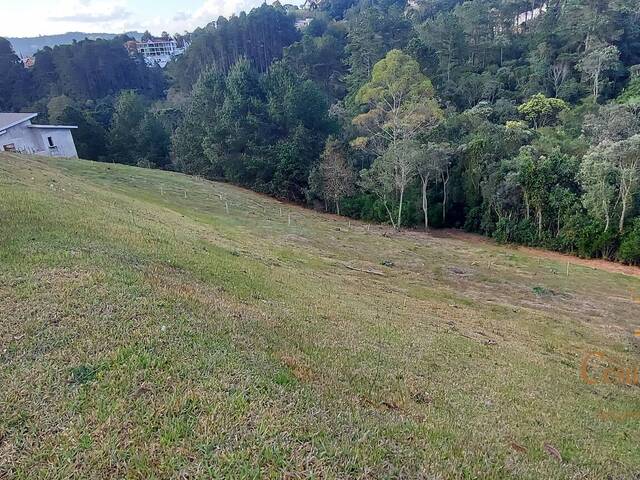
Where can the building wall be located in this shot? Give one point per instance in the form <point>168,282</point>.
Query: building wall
<point>23,139</point>
<point>62,139</point>
<point>159,52</point>
<point>35,140</point>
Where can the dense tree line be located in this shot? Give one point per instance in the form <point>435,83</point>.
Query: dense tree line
<point>260,130</point>
<point>258,37</point>
<point>93,69</point>
<point>518,119</point>
<point>89,70</point>
<point>97,86</point>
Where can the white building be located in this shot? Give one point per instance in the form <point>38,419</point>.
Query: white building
<point>157,51</point>
<point>303,23</point>
<point>18,134</point>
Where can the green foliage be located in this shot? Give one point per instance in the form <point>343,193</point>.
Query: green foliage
<point>515,231</point>
<point>93,69</point>
<point>365,206</point>
<point>201,113</point>
<point>631,94</point>
<point>128,115</point>
<point>90,137</point>
<point>136,136</point>
<point>153,143</point>
<point>593,241</point>
<point>629,251</point>
<point>333,179</point>
<point>56,106</point>
<point>258,36</point>
<point>396,77</point>
<point>265,131</point>
<point>541,111</point>
<point>610,175</point>
<point>372,31</point>
<point>596,63</point>
<point>15,85</point>
<point>320,59</point>
<point>83,374</point>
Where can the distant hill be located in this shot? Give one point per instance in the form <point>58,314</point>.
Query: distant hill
<point>27,46</point>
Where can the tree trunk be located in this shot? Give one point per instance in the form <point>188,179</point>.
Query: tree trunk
<point>606,215</point>
<point>623,214</point>
<point>400,209</point>
<point>445,182</point>
<point>338,207</point>
<point>539,214</point>
<point>386,207</point>
<point>425,209</point>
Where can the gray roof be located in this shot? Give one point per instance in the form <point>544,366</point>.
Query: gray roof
<point>58,127</point>
<point>8,120</point>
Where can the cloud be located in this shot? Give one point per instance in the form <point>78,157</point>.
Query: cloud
<point>116,13</point>
<point>212,9</point>
<point>181,17</point>
<point>116,16</point>
<point>209,11</point>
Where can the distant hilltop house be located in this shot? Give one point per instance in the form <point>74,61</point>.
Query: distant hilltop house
<point>303,23</point>
<point>18,134</point>
<point>28,62</point>
<point>522,19</point>
<point>157,51</point>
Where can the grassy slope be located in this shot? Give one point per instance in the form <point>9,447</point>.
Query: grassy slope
<point>145,332</point>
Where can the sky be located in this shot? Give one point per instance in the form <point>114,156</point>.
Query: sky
<point>29,18</point>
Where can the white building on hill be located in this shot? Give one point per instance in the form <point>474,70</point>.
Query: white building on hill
<point>18,134</point>
<point>157,51</point>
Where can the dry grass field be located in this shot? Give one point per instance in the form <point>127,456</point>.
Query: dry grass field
<point>153,325</point>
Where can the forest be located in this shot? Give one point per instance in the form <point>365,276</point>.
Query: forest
<point>519,120</point>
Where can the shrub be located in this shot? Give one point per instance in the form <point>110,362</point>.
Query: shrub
<point>502,234</point>
<point>629,251</point>
<point>473,219</point>
<point>594,242</point>
<point>522,231</point>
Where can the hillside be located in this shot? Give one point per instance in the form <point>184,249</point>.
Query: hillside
<point>518,120</point>
<point>154,325</point>
<point>27,46</point>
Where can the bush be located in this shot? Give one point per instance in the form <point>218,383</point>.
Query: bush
<point>594,242</point>
<point>629,251</point>
<point>502,234</point>
<point>473,220</point>
<point>364,206</point>
<point>523,232</point>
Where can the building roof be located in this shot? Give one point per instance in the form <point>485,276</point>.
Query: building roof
<point>8,120</point>
<point>156,40</point>
<point>53,126</point>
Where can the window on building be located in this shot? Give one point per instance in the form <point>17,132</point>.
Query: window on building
<point>50,140</point>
